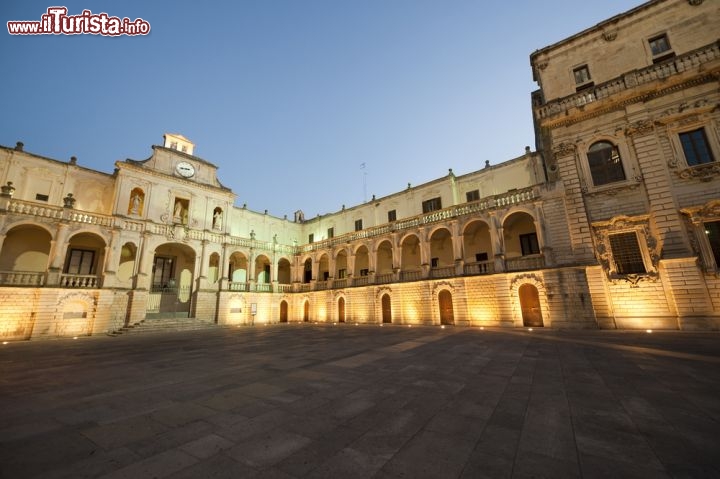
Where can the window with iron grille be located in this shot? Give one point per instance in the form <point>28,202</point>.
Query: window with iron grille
<point>696,147</point>
<point>626,253</point>
<point>358,225</point>
<point>605,163</point>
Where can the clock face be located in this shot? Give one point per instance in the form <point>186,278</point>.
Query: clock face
<point>185,169</point>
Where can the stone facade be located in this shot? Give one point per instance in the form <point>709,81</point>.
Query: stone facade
<point>614,222</point>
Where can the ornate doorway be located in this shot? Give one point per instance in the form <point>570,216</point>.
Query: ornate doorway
<point>386,309</point>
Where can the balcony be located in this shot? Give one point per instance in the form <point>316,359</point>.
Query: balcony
<point>631,80</point>
<point>525,263</point>
<point>22,278</point>
<point>479,267</point>
<point>79,281</point>
<point>443,272</point>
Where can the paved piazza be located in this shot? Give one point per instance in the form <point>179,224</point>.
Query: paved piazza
<point>301,400</point>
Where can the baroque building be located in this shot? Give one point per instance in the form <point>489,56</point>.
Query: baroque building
<point>614,222</point>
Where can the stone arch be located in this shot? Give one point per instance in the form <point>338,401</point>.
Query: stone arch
<point>238,270</point>
<point>84,260</point>
<point>262,269</point>
<point>410,253</point>
<point>25,254</point>
<point>478,247</point>
<point>236,309</point>
<point>383,300</point>
<point>284,271</point>
<point>534,279</point>
<point>126,263</point>
<point>442,254</point>
<point>384,263</point>
<point>323,267</point>
<point>74,315</point>
<point>214,269</point>
<point>520,236</point>
<point>439,290</point>
<point>10,226</point>
<point>362,261</point>
<point>341,308</point>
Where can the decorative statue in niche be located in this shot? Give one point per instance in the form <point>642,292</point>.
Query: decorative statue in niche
<point>217,219</point>
<point>178,214</point>
<point>135,202</point>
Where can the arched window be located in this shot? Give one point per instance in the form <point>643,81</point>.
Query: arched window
<point>605,163</point>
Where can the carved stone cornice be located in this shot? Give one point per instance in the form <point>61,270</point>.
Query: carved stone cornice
<point>564,149</point>
<point>705,172</point>
<point>641,127</point>
<point>614,190</point>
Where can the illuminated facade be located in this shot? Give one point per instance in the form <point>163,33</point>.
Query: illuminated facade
<point>614,222</point>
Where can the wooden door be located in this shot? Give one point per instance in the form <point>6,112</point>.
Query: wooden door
<point>530,305</point>
<point>341,310</point>
<point>446,307</point>
<point>386,310</point>
<point>283,312</point>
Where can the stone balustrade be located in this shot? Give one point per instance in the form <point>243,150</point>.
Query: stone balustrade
<point>633,79</point>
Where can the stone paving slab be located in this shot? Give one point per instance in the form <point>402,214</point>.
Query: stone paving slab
<point>317,401</point>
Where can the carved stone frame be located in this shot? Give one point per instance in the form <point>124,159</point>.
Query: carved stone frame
<point>649,248</point>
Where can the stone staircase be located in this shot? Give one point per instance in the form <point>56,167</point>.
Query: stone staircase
<point>165,324</point>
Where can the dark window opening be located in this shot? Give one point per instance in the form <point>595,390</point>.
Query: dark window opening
<point>529,244</point>
<point>473,195</point>
<point>392,216</point>
<point>311,238</point>
<point>433,204</point>
<point>712,230</point>
<point>660,48</point>
<point>163,271</point>
<point>605,163</point>
<point>481,256</point>
<point>434,262</point>
<point>364,272</point>
<point>358,225</point>
<point>41,197</point>
<point>331,233</point>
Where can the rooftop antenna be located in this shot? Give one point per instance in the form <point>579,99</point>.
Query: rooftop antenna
<point>362,167</point>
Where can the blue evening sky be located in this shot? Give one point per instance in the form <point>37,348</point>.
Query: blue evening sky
<point>290,97</point>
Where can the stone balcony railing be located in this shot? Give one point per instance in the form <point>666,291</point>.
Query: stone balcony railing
<point>90,281</point>
<point>630,80</point>
<point>509,198</point>
<point>22,278</point>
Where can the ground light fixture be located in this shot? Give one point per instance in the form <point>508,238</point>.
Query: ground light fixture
<point>648,331</point>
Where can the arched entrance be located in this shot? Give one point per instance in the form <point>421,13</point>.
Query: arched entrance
<point>446,307</point>
<point>530,305</point>
<point>341,310</point>
<point>172,281</point>
<point>306,311</point>
<point>386,310</point>
<point>283,312</point>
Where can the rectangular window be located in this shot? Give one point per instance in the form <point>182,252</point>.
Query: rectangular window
<point>358,225</point>
<point>712,230</point>
<point>473,195</point>
<point>626,253</point>
<point>660,48</point>
<point>80,261</point>
<point>311,238</point>
<point>529,244</point>
<point>696,147</point>
<point>582,76</point>
<point>432,205</point>
<point>41,197</point>
<point>342,273</point>
<point>392,216</point>
<point>364,272</point>
<point>331,233</point>
<point>481,256</point>
<point>163,271</point>
<point>434,262</point>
